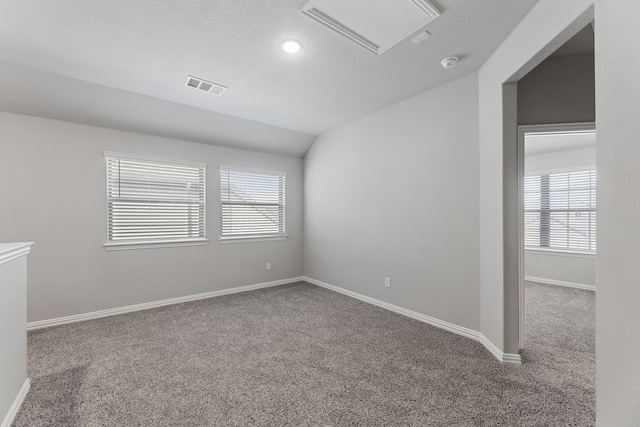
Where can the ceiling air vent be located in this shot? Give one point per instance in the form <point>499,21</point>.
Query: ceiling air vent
<point>376,26</point>
<point>204,85</point>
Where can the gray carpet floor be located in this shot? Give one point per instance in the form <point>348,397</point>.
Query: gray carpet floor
<point>300,355</point>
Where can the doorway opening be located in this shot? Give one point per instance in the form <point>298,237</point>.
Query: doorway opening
<point>557,211</point>
<point>555,141</point>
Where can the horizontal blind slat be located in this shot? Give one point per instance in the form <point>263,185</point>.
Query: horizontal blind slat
<point>560,210</point>
<point>149,200</point>
<point>252,203</point>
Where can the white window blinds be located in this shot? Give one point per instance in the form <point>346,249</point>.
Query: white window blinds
<point>560,211</point>
<point>154,200</point>
<point>253,203</point>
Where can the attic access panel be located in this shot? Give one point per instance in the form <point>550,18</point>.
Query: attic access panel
<point>376,25</point>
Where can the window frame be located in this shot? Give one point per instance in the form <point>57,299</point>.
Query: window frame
<point>550,211</point>
<point>247,238</point>
<point>161,242</point>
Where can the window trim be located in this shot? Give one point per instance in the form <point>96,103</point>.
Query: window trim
<point>159,243</point>
<point>252,238</point>
<point>559,252</point>
<point>123,246</point>
<point>249,239</point>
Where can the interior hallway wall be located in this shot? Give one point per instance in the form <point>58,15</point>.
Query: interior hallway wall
<point>617,266</point>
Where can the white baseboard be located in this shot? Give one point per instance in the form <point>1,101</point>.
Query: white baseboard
<point>148,305</point>
<point>512,358</point>
<point>560,283</point>
<point>456,329</point>
<point>13,411</point>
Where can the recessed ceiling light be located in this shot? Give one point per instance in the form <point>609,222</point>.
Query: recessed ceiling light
<point>291,46</point>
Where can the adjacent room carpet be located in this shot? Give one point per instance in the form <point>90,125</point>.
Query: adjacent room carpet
<point>300,355</point>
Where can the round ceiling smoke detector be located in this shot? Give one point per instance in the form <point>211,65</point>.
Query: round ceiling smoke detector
<point>449,63</point>
<point>291,46</point>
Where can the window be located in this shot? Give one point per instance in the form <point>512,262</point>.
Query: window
<point>560,211</point>
<point>154,202</point>
<point>252,204</point>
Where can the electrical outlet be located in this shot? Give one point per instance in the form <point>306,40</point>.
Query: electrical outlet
<point>268,266</point>
<point>387,282</point>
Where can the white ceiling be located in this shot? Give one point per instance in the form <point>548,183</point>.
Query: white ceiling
<point>375,25</point>
<point>76,59</point>
<point>37,93</point>
<point>553,142</point>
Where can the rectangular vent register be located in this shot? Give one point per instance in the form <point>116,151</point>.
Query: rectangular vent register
<point>204,85</point>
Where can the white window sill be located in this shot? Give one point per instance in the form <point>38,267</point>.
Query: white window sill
<point>249,239</point>
<point>574,254</point>
<point>124,246</point>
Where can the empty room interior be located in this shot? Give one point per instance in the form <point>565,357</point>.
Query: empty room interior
<point>319,213</point>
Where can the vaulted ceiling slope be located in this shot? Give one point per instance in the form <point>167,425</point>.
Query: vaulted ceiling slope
<point>123,64</point>
<point>37,93</point>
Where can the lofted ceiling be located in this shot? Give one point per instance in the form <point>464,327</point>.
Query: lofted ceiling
<point>544,143</point>
<point>123,64</point>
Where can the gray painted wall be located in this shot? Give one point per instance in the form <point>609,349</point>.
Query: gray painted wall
<point>52,186</point>
<point>617,266</point>
<point>563,267</point>
<point>559,90</point>
<point>13,313</point>
<point>395,194</point>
